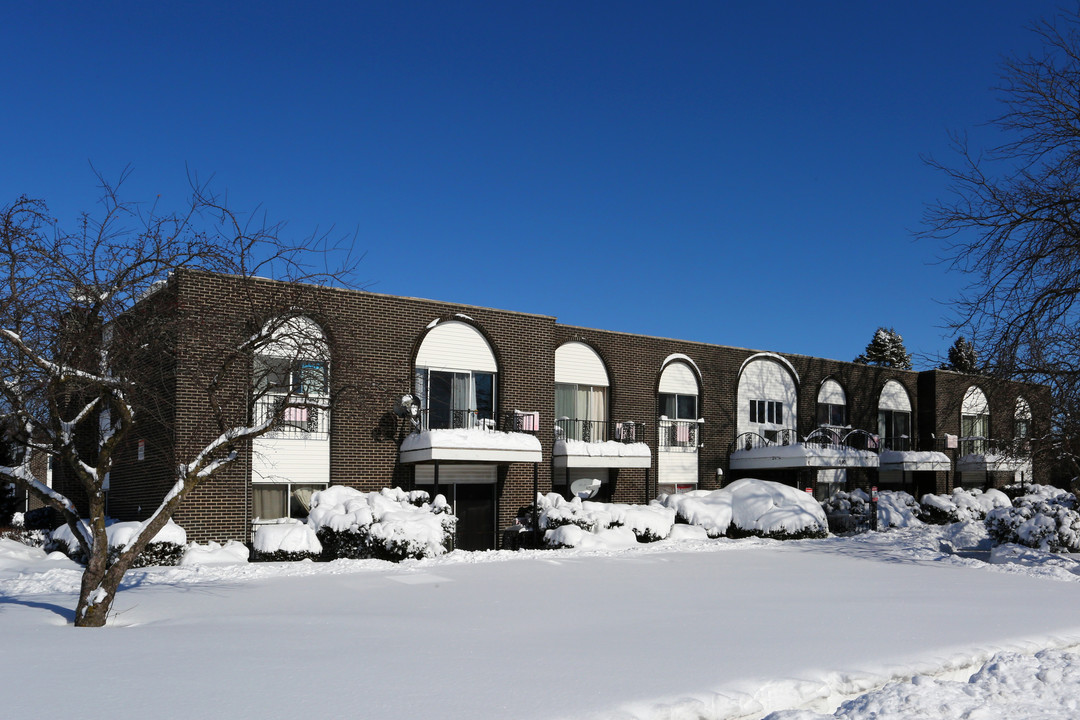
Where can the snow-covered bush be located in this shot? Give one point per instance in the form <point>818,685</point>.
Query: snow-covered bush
<point>1047,492</point>
<point>855,502</point>
<point>1046,522</point>
<point>167,547</point>
<point>286,540</point>
<point>750,507</point>
<point>646,523</point>
<point>898,509</point>
<point>963,505</point>
<point>213,553</point>
<point>390,524</point>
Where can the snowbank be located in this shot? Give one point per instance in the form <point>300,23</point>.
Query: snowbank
<point>897,509</point>
<point>963,505</point>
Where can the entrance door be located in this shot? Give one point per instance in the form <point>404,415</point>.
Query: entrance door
<point>474,506</point>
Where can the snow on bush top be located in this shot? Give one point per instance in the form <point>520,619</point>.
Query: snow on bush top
<point>897,509</point>
<point>855,502</point>
<point>291,536</point>
<point>965,504</point>
<point>752,506</point>
<point>647,522</point>
<point>119,533</point>
<point>391,517</point>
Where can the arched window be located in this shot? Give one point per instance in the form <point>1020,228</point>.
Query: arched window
<point>831,404</point>
<point>581,393</point>
<point>293,359</point>
<point>894,417</point>
<point>455,377</point>
<point>974,422</point>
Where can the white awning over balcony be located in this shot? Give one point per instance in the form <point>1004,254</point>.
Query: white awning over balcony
<point>991,463</point>
<point>912,461</point>
<point>471,445</point>
<point>610,454</point>
<point>802,455</point>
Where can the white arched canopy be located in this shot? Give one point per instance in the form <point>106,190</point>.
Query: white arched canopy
<point>831,393</point>
<point>578,363</point>
<point>894,397</point>
<point>297,336</point>
<point>456,345</point>
<point>974,402</point>
<point>677,377</point>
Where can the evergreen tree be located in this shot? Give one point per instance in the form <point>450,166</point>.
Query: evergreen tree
<point>962,357</point>
<point>886,350</point>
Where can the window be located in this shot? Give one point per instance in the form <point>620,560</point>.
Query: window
<point>455,399</point>
<point>283,500</point>
<point>679,407</point>
<point>581,411</point>
<point>289,375</point>
<point>895,427</point>
<point>767,411</point>
<point>831,414</point>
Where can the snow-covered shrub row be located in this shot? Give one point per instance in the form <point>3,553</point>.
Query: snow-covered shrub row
<point>963,505</point>
<point>1049,492</point>
<point>751,507</point>
<point>390,524</point>
<point>212,553</point>
<point>166,548</point>
<point>566,523</point>
<point>1046,520</point>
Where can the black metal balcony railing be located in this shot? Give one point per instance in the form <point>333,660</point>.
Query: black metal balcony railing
<point>682,435</point>
<point>753,440</point>
<point>625,431</point>
<point>906,443</point>
<point>467,419</point>
<point>1012,448</point>
<point>296,418</point>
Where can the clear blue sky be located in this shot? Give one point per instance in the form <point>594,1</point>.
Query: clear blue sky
<point>738,173</point>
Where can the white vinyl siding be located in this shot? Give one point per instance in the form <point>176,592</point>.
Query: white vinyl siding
<point>578,364</point>
<point>456,345</point>
<point>894,397</point>
<point>678,379</point>
<point>766,379</point>
<point>457,474</point>
<point>677,468</point>
<point>295,460</point>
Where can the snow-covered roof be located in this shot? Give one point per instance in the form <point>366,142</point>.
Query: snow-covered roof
<point>474,445</point>
<point>798,455</point>
<point>610,454</point>
<point>911,460</point>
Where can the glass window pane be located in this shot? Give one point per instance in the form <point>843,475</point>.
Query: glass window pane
<point>440,389</point>
<point>268,501</point>
<point>779,414</point>
<point>667,405</point>
<point>564,400</point>
<point>300,500</point>
<point>485,395</point>
<point>687,407</point>
<point>839,415</point>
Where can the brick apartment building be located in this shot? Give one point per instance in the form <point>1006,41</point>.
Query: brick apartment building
<point>503,402</point>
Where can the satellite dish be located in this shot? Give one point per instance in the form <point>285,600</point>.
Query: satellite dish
<point>405,406</point>
<point>585,488</point>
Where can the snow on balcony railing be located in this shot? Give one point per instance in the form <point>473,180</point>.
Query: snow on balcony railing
<point>598,431</point>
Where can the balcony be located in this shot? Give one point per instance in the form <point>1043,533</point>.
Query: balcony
<point>679,435</point>
<point>908,454</point>
<point>980,454</point>
<point>824,448</point>
<point>600,444</point>
<point>467,435</point>
<point>300,417</point>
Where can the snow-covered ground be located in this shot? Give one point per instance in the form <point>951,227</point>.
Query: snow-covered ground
<point>689,629</point>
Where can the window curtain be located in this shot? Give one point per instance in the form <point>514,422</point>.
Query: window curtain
<point>268,501</point>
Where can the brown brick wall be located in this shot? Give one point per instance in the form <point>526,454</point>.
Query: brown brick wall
<point>374,340</point>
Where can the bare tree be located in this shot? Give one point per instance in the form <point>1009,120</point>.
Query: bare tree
<point>1013,224</point>
<point>85,333</point>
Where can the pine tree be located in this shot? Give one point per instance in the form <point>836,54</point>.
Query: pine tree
<point>962,357</point>
<point>886,350</point>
